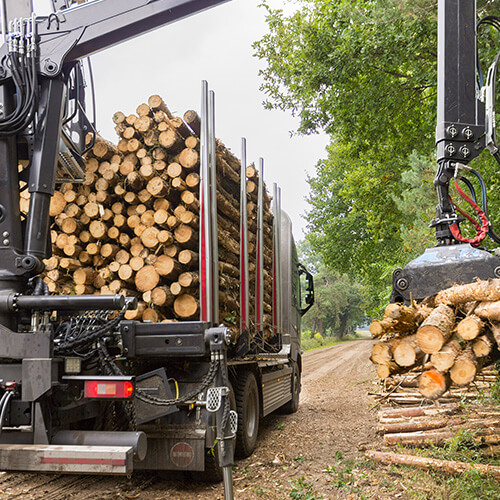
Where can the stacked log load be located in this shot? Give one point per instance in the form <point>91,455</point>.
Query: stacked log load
<point>441,344</point>
<point>132,226</point>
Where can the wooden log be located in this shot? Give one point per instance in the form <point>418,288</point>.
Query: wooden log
<point>495,330</point>
<point>178,184</point>
<point>150,314</point>
<point>156,103</point>
<point>126,273</point>
<point>180,127</point>
<point>104,149</point>
<point>226,269</point>
<point>189,158</point>
<point>444,359</point>
<point>479,291</point>
<point>188,279</point>
<point>188,257</point>
<point>170,140</point>
<point>192,142</point>
<point>488,310</point>
<point>146,279</point>
<point>136,263</point>
<point>190,200</point>
<point>407,353</point>
<point>387,369</point>
<point>416,425</point>
<point>464,369</point>
<point>119,117</point>
<point>185,236</point>
<point>482,346</point>
<point>122,256</point>
<point>420,411</point>
<point>171,250</point>
<point>432,464</point>
<point>157,187</point>
<point>174,169</point>
<point>381,353</point>
<point>193,121</point>
<point>470,327</point>
<point>165,237</point>
<point>186,306</point>
<point>436,329</point>
<point>57,204</point>
<point>84,276</point>
<point>162,296</point>
<point>433,384</point>
<point>192,180</point>
<point>98,229</point>
<point>167,266</point>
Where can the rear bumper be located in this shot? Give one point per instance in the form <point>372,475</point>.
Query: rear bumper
<point>67,459</point>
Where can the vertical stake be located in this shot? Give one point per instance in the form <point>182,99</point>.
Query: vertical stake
<point>244,291</point>
<point>213,206</point>
<point>206,278</point>
<point>259,271</point>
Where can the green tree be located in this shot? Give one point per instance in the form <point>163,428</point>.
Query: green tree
<point>339,303</point>
<point>365,72</point>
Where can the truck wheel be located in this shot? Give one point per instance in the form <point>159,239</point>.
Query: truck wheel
<point>248,408</point>
<point>293,405</point>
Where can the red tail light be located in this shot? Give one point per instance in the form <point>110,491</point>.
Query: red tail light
<point>118,389</point>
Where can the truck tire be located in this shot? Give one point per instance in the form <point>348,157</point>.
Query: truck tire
<point>248,408</point>
<point>293,405</point>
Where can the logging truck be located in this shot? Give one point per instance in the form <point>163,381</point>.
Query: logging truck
<point>150,293</point>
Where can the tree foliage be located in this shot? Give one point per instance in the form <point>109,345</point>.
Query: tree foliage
<point>339,305</point>
<point>365,72</point>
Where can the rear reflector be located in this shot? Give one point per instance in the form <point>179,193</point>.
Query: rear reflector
<point>118,389</point>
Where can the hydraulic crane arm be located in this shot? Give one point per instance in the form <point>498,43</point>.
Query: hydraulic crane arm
<point>72,34</point>
<point>42,51</point>
<point>465,127</point>
<point>460,130</point>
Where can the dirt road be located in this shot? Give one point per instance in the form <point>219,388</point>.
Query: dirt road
<point>314,451</point>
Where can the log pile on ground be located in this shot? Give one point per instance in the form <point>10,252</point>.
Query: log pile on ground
<point>425,426</point>
<point>441,343</point>
<point>132,226</point>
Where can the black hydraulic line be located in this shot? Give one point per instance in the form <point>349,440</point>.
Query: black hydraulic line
<point>470,187</point>
<point>4,403</point>
<point>484,200</point>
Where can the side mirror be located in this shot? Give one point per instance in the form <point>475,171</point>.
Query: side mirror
<point>309,288</point>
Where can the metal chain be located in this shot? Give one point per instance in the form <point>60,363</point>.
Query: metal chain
<point>207,380</point>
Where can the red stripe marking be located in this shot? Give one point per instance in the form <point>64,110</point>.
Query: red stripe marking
<point>257,283</point>
<point>83,461</point>
<point>242,283</point>
<point>203,266</point>
<point>275,311</point>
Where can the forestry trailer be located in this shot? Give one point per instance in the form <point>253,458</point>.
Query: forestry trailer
<point>83,390</point>
<point>465,127</point>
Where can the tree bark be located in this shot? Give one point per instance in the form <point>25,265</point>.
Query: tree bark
<point>479,291</point>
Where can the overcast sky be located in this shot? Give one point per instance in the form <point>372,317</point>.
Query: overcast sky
<point>215,45</point>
